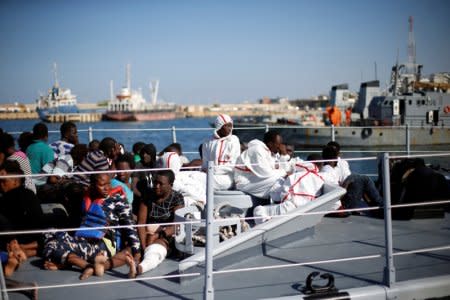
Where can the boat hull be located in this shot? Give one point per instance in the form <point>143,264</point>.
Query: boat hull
<point>353,136</point>
<point>45,113</point>
<point>140,116</point>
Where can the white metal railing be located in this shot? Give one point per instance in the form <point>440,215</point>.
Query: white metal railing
<point>389,278</point>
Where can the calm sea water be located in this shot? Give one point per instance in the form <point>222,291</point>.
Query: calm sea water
<point>160,134</point>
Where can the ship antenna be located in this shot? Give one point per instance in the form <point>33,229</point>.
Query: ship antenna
<point>154,86</point>
<point>411,47</point>
<point>55,73</point>
<point>129,77</point>
<point>376,75</point>
<point>111,90</point>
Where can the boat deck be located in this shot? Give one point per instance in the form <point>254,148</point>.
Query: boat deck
<point>333,238</point>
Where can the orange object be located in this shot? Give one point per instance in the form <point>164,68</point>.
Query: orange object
<point>348,116</point>
<point>335,116</point>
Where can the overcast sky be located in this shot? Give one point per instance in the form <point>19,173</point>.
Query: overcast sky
<point>213,51</point>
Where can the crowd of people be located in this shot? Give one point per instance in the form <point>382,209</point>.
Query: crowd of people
<point>145,187</point>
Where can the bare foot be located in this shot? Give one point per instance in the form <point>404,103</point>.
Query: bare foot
<point>14,247</point>
<point>87,272</point>
<point>11,265</point>
<point>131,264</point>
<point>99,264</point>
<point>51,266</point>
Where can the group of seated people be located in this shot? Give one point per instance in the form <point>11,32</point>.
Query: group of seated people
<point>145,187</point>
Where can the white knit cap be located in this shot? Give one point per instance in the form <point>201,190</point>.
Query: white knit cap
<point>221,120</point>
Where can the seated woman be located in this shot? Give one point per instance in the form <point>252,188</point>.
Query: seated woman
<point>20,210</point>
<point>96,250</point>
<point>159,207</point>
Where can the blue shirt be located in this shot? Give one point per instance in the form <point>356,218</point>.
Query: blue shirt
<point>129,193</point>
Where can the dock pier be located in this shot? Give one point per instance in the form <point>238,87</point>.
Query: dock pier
<point>79,117</point>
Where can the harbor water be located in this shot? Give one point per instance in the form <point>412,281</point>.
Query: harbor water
<point>190,133</point>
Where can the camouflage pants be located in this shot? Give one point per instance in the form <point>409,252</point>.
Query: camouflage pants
<point>57,246</point>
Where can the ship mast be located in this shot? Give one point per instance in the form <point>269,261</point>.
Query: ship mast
<point>412,67</point>
<point>154,86</point>
<point>111,90</point>
<point>55,73</point>
<point>129,77</point>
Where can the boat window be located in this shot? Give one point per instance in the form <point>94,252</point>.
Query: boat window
<point>409,102</point>
<point>423,102</point>
<point>381,134</point>
<point>418,102</point>
<point>385,102</point>
<point>353,132</point>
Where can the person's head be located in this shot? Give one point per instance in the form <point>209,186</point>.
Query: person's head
<point>290,150</point>
<point>110,147</point>
<point>273,140</point>
<point>171,148</point>
<point>78,153</point>
<point>100,185</point>
<point>69,132</point>
<point>148,155</point>
<point>223,125</point>
<point>93,145</point>
<point>314,157</point>
<point>40,131</point>
<point>6,144</point>
<point>25,140</point>
<point>329,152</point>
<point>163,182</point>
<point>176,147</point>
<point>10,168</point>
<point>124,162</point>
<point>335,145</point>
<point>137,147</point>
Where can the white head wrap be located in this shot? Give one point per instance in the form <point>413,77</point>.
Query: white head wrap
<point>221,120</point>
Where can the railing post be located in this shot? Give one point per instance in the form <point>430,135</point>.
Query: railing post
<point>174,135</point>
<point>208,292</point>
<point>408,139</point>
<point>332,132</point>
<point>4,294</point>
<point>389,269</point>
<point>90,137</point>
<point>267,128</point>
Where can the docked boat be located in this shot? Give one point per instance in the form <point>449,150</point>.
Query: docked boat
<point>57,101</point>
<point>130,105</point>
<point>414,110</point>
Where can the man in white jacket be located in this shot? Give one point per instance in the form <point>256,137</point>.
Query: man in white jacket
<point>223,149</point>
<point>257,169</point>
<point>297,190</point>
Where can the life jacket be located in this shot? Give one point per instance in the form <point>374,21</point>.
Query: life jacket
<point>95,215</point>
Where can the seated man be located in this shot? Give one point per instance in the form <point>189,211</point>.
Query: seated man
<point>257,169</point>
<point>298,189</point>
<point>223,149</point>
<point>159,207</point>
<point>359,187</point>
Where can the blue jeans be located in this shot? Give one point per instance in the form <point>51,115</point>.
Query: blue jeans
<point>357,186</point>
